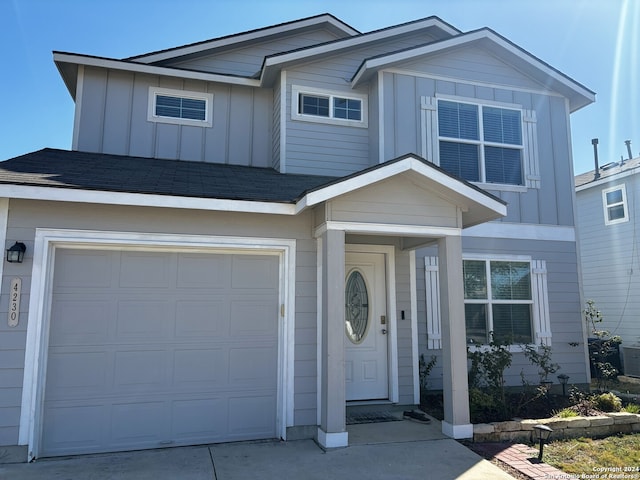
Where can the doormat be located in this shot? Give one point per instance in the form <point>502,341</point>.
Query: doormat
<point>372,417</point>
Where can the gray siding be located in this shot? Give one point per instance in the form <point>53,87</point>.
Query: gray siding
<point>564,306</point>
<point>247,60</point>
<point>552,203</point>
<point>610,260</point>
<point>114,120</point>
<point>405,353</point>
<point>25,216</point>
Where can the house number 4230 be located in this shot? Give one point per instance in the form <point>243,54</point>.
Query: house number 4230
<point>14,301</point>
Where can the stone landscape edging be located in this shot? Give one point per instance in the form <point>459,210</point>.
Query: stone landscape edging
<point>573,427</point>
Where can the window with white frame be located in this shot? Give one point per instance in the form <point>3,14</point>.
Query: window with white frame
<point>180,107</point>
<point>497,301</point>
<point>481,143</point>
<point>316,105</point>
<point>505,298</point>
<point>615,205</point>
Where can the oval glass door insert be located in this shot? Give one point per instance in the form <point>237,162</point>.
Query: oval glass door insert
<point>356,313</point>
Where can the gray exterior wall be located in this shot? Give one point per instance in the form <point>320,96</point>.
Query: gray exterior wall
<point>25,216</point>
<point>552,203</point>
<point>246,60</point>
<point>564,306</point>
<point>113,119</point>
<point>610,259</point>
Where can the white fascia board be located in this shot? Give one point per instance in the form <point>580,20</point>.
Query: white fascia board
<point>396,168</point>
<point>114,64</point>
<point>242,38</point>
<point>143,200</point>
<point>392,229</point>
<point>333,47</point>
<point>374,64</point>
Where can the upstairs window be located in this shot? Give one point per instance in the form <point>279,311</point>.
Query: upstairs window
<point>615,205</point>
<point>179,107</point>
<point>498,299</point>
<point>315,105</point>
<point>481,143</point>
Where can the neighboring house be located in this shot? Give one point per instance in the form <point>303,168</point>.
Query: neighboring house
<point>255,231</point>
<point>608,238</point>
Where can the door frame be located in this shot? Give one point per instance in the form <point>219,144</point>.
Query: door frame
<point>392,332</point>
<point>36,352</point>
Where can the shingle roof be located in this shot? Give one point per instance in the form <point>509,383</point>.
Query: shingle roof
<point>118,173</point>
<point>608,170</point>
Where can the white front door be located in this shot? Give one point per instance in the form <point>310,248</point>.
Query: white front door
<point>366,364</point>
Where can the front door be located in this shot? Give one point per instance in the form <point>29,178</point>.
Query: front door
<point>366,364</point>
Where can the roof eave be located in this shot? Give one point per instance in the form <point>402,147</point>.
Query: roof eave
<point>552,79</point>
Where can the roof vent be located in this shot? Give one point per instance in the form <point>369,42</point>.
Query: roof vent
<point>596,173</point>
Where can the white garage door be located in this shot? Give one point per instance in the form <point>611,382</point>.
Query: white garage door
<point>152,349</point>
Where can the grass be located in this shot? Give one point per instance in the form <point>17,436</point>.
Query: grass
<point>586,456</point>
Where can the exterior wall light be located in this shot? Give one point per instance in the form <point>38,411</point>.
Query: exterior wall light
<point>563,378</point>
<point>15,253</point>
<point>543,433</point>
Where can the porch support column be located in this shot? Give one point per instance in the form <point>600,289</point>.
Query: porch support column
<point>456,422</point>
<point>332,432</point>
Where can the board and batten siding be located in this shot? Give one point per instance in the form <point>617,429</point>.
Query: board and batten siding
<point>113,119</point>
<point>611,260</point>
<point>26,215</point>
<point>246,60</point>
<point>564,305</point>
<point>406,366</point>
<point>551,203</point>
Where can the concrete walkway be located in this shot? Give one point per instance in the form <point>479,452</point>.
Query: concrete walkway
<point>394,450</point>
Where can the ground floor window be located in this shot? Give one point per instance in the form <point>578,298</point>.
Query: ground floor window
<point>498,301</point>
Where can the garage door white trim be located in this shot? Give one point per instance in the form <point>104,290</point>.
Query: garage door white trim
<point>47,240</point>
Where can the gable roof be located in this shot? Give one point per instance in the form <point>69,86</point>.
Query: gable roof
<point>552,79</point>
<point>61,175</point>
<point>325,20</point>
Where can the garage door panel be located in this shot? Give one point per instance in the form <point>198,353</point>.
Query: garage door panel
<point>184,358</point>
<point>81,269</point>
<point>79,373</point>
<point>199,420</point>
<point>253,272</point>
<point>138,423</point>
<point>248,316</point>
<point>140,369</point>
<point>201,318</point>
<point>145,270</point>
<point>203,271</point>
<point>80,321</point>
<point>73,428</point>
<point>250,416</point>
<point>252,366</point>
<point>146,319</point>
<point>202,368</point>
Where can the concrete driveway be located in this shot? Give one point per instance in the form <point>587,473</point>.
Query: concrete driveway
<point>394,450</point>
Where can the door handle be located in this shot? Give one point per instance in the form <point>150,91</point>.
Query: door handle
<point>384,331</point>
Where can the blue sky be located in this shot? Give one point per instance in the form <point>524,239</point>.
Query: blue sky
<point>595,42</point>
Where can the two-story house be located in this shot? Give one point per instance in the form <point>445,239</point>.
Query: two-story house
<point>606,204</point>
<point>252,232</point>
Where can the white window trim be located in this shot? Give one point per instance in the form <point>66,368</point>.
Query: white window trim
<point>530,163</point>
<point>151,107</point>
<point>606,206</point>
<point>297,90</point>
<point>541,320</point>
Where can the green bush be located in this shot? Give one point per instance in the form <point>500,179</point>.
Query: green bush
<point>565,413</point>
<point>632,408</point>
<point>608,402</point>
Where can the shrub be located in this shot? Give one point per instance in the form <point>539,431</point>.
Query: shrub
<point>565,413</point>
<point>631,408</point>
<point>608,402</point>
